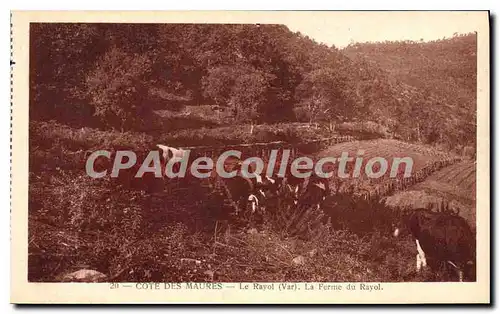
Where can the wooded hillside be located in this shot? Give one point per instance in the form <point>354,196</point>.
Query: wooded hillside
<point>120,77</point>
<point>440,75</point>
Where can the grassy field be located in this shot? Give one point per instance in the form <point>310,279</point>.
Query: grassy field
<point>461,176</point>
<point>455,184</point>
<point>388,149</point>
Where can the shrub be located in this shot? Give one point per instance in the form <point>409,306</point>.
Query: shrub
<point>118,89</point>
<point>365,130</point>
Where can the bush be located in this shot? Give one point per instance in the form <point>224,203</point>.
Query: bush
<point>365,130</point>
<point>118,89</point>
<point>77,222</point>
<point>46,135</point>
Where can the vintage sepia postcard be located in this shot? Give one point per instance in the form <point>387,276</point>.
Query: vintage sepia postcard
<point>337,157</point>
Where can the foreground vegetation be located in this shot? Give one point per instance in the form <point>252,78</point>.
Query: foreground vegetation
<point>77,222</point>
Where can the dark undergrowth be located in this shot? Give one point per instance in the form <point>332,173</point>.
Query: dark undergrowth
<point>176,236</point>
<point>151,230</point>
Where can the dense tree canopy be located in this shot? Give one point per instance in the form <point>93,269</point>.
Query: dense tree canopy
<point>437,77</point>
<point>117,75</point>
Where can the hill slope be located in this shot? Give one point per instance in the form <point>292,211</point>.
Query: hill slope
<point>441,73</point>
<point>455,184</point>
<point>117,77</point>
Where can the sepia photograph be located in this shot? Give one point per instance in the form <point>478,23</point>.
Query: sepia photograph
<point>265,154</point>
